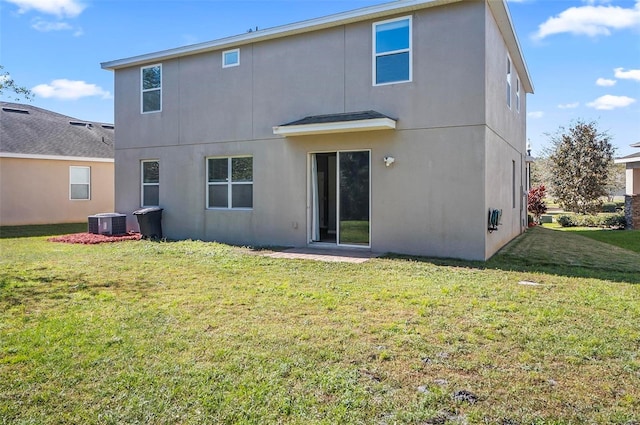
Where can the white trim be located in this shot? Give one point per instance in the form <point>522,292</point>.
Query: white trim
<point>509,98</point>
<point>143,90</point>
<point>226,65</point>
<point>375,54</point>
<point>517,94</point>
<point>53,157</point>
<point>627,160</point>
<point>229,183</point>
<point>88,198</point>
<point>143,184</point>
<point>310,204</point>
<point>335,127</point>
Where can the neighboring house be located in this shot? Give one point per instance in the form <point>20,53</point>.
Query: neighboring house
<point>632,193</point>
<point>392,128</point>
<point>53,168</point>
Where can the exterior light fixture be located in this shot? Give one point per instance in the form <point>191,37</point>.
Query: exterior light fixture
<point>388,160</point>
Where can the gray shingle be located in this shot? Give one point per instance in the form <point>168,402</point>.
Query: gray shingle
<point>342,117</point>
<point>26,129</point>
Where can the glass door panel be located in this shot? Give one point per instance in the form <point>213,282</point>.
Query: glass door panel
<point>354,196</point>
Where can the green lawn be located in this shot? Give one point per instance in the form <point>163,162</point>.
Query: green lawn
<point>628,239</point>
<point>192,333</point>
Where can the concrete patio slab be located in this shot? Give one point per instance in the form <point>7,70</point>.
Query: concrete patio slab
<point>320,254</point>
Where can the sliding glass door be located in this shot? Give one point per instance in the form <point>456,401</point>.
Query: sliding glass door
<point>341,193</point>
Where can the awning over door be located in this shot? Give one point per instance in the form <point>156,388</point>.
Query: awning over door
<point>337,123</point>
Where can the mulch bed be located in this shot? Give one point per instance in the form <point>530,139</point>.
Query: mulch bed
<point>92,238</point>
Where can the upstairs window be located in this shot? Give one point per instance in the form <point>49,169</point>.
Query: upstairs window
<point>231,58</point>
<point>151,77</point>
<point>79,183</point>
<point>150,183</point>
<point>509,83</point>
<point>230,182</point>
<point>518,94</point>
<point>392,51</point>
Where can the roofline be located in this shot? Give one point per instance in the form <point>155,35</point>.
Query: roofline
<point>635,145</point>
<point>53,157</point>
<point>627,160</point>
<point>499,9</point>
<point>335,127</point>
<point>503,17</point>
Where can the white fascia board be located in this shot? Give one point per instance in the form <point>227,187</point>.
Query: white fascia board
<point>627,160</point>
<point>501,13</point>
<point>335,127</point>
<point>53,157</point>
<point>371,12</point>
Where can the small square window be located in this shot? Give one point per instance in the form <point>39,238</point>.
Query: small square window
<point>230,182</point>
<point>231,58</point>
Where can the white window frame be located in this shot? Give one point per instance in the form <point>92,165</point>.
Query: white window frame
<point>224,58</point>
<point>71,183</point>
<point>509,72</point>
<point>143,184</point>
<point>375,55</point>
<point>143,90</point>
<point>518,94</point>
<point>229,183</point>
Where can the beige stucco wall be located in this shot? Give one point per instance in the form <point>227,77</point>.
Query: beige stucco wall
<point>36,191</point>
<point>448,147</point>
<point>632,175</point>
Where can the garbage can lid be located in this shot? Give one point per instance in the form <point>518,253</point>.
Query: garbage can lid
<point>144,211</point>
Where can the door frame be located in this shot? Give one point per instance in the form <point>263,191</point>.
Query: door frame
<point>310,203</point>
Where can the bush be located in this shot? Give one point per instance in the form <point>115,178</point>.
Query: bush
<point>609,207</point>
<point>617,221</point>
<point>535,202</point>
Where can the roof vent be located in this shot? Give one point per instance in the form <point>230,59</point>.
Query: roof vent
<point>81,124</point>
<point>18,111</point>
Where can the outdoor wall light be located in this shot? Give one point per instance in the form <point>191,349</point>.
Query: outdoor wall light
<point>388,160</point>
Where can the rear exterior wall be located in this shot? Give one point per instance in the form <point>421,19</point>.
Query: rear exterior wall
<point>430,202</point>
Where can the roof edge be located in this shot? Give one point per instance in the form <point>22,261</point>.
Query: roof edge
<point>342,18</point>
<point>53,157</point>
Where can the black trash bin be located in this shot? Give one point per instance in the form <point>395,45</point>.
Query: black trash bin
<point>150,222</point>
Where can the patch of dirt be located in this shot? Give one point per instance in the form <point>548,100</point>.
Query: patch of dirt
<point>92,238</point>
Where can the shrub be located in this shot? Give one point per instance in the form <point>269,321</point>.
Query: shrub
<point>535,202</point>
<point>565,221</point>
<point>609,207</point>
<point>617,221</point>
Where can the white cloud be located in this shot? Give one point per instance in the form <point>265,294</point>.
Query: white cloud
<point>535,114</point>
<point>69,90</point>
<point>632,74</point>
<point>609,102</point>
<point>68,8</point>
<point>590,20</point>
<point>46,26</point>
<point>605,82</point>
<point>569,105</point>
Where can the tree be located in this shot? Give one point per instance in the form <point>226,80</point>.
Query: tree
<point>616,182</point>
<point>535,202</point>
<point>579,164</point>
<point>8,84</point>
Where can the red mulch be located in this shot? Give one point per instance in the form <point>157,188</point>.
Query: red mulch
<point>91,238</point>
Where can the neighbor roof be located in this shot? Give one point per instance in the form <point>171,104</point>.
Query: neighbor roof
<point>498,8</point>
<point>26,130</point>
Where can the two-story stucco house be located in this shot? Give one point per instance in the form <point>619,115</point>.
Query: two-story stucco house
<point>393,128</point>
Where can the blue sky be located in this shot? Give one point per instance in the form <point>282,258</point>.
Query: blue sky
<point>583,55</point>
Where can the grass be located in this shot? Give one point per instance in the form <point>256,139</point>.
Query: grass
<point>41,230</point>
<point>628,239</point>
<point>193,332</point>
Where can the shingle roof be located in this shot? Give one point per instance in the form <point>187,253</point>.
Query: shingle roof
<point>633,155</point>
<point>342,117</point>
<point>636,145</point>
<point>26,129</point>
